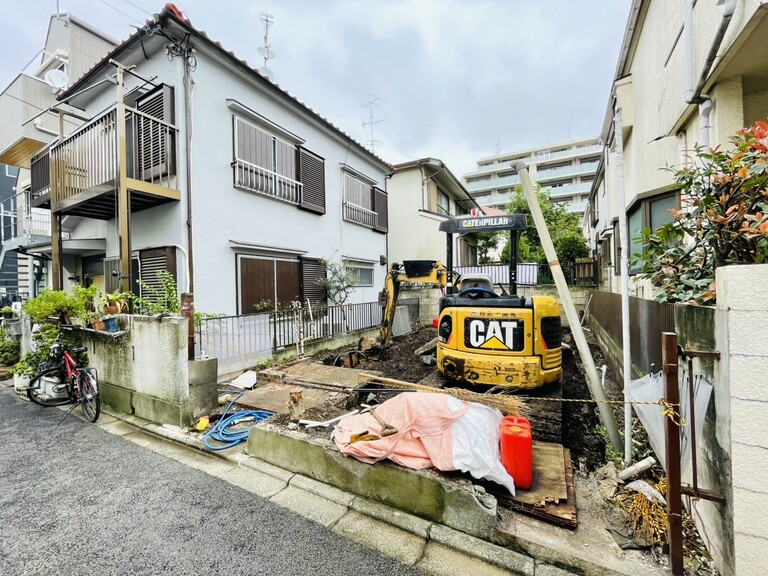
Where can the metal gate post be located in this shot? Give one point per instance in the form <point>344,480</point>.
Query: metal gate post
<point>672,439</point>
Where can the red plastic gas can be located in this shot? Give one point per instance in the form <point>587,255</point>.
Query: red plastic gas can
<point>517,450</point>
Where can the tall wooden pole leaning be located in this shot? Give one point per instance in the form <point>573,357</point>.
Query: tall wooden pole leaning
<point>123,201</point>
<point>598,394</point>
<point>672,438</point>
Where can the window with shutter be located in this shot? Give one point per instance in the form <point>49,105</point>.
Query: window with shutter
<point>264,163</point>
<point>358,201</point>
<point>312,176</point>
<point>155,140</point>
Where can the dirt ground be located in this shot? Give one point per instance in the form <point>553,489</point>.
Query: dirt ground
<point>573,424</point>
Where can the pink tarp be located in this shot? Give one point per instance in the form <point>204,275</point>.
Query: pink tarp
<point>423,439</point>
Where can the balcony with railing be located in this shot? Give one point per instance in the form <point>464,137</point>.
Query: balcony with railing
<point>257,179</point>
<point>84,169</point>
<point>566,171</point>
<point>360,215</point>
<point>23,225</point>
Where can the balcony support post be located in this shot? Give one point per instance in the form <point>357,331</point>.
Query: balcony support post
<point>123,201</point>
<point>57,265</point>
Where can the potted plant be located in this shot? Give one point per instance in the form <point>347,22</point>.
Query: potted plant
<point>110,322</point>
<point>116,302</point>
<point>93,319</point>
<point>7,312</point>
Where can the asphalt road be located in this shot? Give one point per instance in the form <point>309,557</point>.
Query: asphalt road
<point>75,500</point>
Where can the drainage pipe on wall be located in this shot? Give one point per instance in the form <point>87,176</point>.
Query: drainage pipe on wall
<point>624,264</point>
<point>705,108</point>
<point>729,7</point>
<point>570,310</point>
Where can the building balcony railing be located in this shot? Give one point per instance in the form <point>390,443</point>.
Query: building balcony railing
<point>566,171</point>
<point>360,215</point>
<point>257,179</point>
<point>84,168</point>
<point>22,224</point>
<point>569,153</point>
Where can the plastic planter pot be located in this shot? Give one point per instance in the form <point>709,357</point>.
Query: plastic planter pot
<point>110,324</point>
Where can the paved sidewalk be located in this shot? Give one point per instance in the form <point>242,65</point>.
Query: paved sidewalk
<point>411,540</point>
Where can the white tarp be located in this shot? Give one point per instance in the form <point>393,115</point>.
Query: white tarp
<point>650,388</point>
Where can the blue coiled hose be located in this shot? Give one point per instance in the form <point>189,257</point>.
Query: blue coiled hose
<point>228,438</point>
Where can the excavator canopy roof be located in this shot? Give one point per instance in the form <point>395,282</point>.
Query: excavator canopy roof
<point>484,223</point>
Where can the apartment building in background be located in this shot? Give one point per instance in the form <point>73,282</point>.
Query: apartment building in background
<point>566,170</point>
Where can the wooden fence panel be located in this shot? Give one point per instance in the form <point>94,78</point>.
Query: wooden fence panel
<point>647,320</point>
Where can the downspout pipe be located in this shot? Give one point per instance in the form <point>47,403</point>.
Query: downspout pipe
<point>729,7</point>
<point>188,173</point>
<point>705,109</point>
<point>688,50</point>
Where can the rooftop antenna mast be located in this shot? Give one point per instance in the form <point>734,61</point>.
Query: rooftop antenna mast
<point>266,50</point>
<point>371,122</point>
<point>497,147</point>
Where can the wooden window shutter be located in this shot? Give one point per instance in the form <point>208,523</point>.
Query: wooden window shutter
<point>312,270</point>
<point>312,176</point>
<point>156,146</point>
<point>380,206</point>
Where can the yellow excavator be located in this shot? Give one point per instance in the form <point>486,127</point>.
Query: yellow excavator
<point>508,341</point>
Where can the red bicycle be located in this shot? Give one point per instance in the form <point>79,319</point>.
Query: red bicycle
<point>63,380</point>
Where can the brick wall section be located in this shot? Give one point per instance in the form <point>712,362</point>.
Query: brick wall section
<point>742,292</point>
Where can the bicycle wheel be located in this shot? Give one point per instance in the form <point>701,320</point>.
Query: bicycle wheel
<point>47,389</point>
<point>89,395</point>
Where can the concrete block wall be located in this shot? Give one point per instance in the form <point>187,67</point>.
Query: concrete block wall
<point>742,297</point>
<point>144,371</point>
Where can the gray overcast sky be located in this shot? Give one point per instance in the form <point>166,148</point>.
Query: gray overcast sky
<point>454,78</point>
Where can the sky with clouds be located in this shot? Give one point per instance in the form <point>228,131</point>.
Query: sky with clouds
<point>453,79</point>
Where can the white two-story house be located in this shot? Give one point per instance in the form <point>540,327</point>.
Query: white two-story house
<point>191,161</point>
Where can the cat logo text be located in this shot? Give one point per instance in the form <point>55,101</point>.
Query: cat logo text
<point>487,334</point>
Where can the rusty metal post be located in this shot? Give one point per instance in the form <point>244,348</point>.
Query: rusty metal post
<point>672,439</point>
<point>188,311</point>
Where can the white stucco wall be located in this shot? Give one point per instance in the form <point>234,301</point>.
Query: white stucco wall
<point>222,214</point>
<point>742,294</point>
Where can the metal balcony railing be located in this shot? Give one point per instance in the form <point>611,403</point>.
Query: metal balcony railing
<point>21,222</point>
<point>257,179</point>
<point>88,158</point>
<point>364,216</point>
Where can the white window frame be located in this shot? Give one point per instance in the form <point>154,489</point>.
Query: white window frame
<point>357,194</point>
<point>265,180</point>
<point>355,266</point>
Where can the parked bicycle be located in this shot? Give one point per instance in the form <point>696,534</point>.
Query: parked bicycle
<point>62,379</point>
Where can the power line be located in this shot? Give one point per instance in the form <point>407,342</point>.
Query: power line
<point>137,7</point>
<point>121,12</point>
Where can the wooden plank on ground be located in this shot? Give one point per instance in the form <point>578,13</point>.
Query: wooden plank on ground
<point>558,511</point>
<point>548,476</point>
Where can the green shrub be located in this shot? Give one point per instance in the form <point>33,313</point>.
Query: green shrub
<point>9,352</point>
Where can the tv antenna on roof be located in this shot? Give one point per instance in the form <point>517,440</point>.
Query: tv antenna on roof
<point>56,79</point>
<point>371,122</point>
<point>266,50</point>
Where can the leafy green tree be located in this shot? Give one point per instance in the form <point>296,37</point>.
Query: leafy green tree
<point>486,242</point>
<point>561,224</point>
<point>723,220</point>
